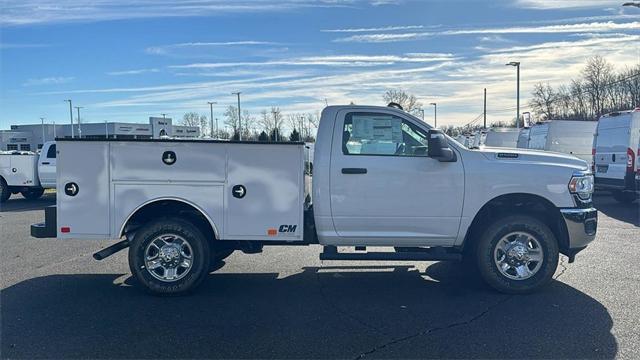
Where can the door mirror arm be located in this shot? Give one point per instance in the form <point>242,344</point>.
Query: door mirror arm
<point>439,147</point>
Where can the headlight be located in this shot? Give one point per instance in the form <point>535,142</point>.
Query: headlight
<point>581,185</point>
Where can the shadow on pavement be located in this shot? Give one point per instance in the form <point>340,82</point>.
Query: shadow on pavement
<point>328,312</point>
<point>17,203</point>
<point>629,213</point>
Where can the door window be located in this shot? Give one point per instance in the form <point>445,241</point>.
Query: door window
<point>51,153</point>
<point>382,135</point>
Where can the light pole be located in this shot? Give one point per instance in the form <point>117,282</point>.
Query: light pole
<point>239,115</point>
<point>275,122</point>
<point>211,103</point>
<point>71,116</point>
<point>164,116</point>
<point>43,139</point>
<point>517,65</point>
<point>106,130</point>
<point>79,127</point>
<point>435,115</point>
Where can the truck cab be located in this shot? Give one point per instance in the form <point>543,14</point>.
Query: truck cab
<point>384,184</point>
<point>27,173</point>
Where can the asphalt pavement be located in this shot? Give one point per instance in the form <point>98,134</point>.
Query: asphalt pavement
<point>57,302</point>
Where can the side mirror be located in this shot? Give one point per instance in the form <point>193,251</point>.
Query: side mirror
<point>439,147</point>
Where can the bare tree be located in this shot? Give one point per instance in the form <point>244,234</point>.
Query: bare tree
<point>597,73</point>
<point>196,120</point>
<point>231,120</point>
<point>408,102</point>
<point>543,100</point>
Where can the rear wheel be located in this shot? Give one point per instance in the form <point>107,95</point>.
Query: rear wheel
<point>32,193</point>
<point>169,256</point>
<point>517,254</point>
<point>5,193</point>
<point>624,197</point>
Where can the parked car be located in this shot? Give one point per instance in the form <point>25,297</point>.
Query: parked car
<point>381,178</point>
<point>502,137</point>
<point>569,137</point>
<point>27,173</point>
<point>614,154</point>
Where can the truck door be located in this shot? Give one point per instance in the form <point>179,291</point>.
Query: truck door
<point>47,166</point>
<point>385,190</point>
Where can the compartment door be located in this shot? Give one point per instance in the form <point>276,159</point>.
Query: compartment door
<point>264,194</point>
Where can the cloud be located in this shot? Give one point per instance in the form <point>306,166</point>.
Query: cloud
<point>333,60</point>
<point>133,72</point>
<point>566,4</point>
<point>27,12</point>
<point>546,29</point>
<point>54,80</point>
<point>164,49</point>
<point>371,29</point>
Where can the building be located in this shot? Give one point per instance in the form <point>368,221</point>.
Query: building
<point>31,137</point>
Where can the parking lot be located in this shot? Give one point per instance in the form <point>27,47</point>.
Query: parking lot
<point>57,302</point>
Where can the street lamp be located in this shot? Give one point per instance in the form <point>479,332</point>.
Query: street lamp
<point>79,127</point>
<point>239,116</point>
<point>43,139</point>
<point>435,114</point>
<point>211,103</point>
<point>71,116</point>
<point>517,65</point>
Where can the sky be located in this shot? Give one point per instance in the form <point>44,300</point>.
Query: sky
<point>128,60</point>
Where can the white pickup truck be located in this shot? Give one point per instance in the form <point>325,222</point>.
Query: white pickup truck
<point>381,178</point>
<point>27,173</point>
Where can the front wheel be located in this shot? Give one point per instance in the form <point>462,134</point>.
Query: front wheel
<point>5,193</point>
<point>517,254</point>
<point>32,193</point>
<point>169,256</point>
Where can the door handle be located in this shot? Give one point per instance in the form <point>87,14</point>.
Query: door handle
<point>45,163</point>
<point>352,171</point>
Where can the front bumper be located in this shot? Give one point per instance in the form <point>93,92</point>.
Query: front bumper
<point>581,227</point>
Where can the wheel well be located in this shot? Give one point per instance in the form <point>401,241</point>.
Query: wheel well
<point>523,204</point>
<point>173,208</point>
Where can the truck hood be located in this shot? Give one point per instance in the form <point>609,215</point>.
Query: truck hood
<point>527,156</point>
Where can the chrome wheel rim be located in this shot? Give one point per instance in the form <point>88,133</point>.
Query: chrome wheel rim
<point>518,255</point>
<point>168,257</point>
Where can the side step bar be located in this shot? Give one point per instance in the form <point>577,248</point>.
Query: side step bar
<point>432,254</point>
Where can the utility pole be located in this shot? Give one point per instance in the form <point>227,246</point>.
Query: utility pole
<point>71,116</point>
<point>79,127</point>
<point>239,115</point>
<point>211,103</point>
<point>517,65</point>
<point>43,138</point>
<point>275,122</point>
<point>485,108</point>
<point>435,115</point>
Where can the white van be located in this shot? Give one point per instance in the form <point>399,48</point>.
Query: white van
<point>502,137</point>
<point>564,136</point>
<point>614,153</point>
<point>523,139</point>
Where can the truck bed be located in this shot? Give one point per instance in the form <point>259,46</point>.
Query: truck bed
<point>247,190</point>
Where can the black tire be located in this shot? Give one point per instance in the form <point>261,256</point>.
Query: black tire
<point>624,197</point>
<point>5,192</point>
<point>32,193</point>
<point>486,251</point>
<point>170,227</point>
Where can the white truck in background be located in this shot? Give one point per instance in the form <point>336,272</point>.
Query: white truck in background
<point>381,178</point>
<point>572,137</point>
<point>502,137</point>
<point>27,173</point>
<point>615,154</point>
